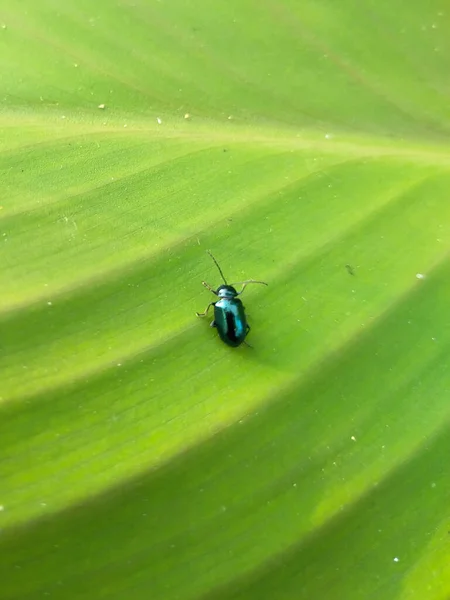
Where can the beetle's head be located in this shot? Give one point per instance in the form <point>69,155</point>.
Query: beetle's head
<point>226,291</point>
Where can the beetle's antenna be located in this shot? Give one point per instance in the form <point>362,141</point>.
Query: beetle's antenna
<point>245,283</point>
<point>248,281</point>
<point>217,265</point>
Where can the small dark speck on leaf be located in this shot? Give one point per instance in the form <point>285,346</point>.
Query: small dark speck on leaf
<point>350,269</point>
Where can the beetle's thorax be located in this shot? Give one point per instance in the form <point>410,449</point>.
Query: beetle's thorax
<point>226,291</point>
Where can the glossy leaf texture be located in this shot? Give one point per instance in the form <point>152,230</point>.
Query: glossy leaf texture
<point>304,144</point>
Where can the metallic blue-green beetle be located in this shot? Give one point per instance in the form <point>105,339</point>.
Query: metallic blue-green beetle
<point>229,313</point>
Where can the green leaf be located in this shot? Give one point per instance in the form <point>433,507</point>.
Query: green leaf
<point>304,144</point>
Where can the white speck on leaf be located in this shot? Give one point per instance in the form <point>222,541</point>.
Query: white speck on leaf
<point>396,559</point>
<point>158,120</point>
<point>353,438</point>
<point>420,276</point>
<point>102,106</point>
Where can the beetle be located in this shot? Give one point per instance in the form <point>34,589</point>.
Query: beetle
<point>229,313</point>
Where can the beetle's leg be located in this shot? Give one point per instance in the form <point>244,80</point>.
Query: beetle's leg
<point>246,343</point>
<point>203,314</point>
<point>213,324</point>
<point>208,287</point>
